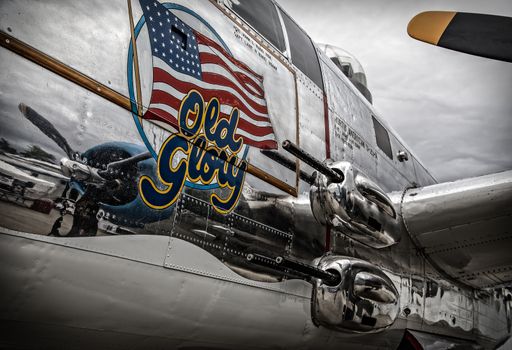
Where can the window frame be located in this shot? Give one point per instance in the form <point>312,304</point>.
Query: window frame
<point>285,48</point>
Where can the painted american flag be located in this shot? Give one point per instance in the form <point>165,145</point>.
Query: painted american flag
<point>184,59</point>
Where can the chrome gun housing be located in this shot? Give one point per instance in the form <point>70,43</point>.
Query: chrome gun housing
<point>364,301</point>
<point>355,206</point>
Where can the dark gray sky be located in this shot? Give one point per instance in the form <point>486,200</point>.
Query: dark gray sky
<point>453,110</point>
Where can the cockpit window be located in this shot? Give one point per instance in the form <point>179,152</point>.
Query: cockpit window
<point>302,51</point>
<point>349,66</point>
<point>262,16</point>
<point>382,137</point>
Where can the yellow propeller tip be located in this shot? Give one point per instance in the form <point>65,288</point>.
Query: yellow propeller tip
<point>429,26</point>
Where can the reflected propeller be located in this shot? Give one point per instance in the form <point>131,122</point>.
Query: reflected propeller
<point>47,128</point>
<point>70,167</point>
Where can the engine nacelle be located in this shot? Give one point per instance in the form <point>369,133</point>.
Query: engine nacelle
<point>364,301</point>
<point>356,207</point>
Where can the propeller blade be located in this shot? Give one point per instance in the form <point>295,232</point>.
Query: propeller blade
<point>46,128</point>
<point>473,33</point>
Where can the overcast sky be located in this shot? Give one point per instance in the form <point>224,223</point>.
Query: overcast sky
<point>453,110</point>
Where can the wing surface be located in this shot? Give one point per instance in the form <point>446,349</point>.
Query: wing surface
<point>464,227</point>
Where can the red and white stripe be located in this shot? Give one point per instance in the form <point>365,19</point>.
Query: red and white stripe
<point>230,81</point>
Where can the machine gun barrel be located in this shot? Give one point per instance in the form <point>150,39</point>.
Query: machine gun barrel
<point>288,163</point>
<point>329,278</point>
<point>312,161</point>
<point>296,268</point>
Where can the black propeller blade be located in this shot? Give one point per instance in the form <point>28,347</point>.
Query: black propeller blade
<point>473,33</point>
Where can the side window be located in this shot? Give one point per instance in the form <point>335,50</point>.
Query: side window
<point>382,137</point>
<point>262,16</point>
<point>302,51</point>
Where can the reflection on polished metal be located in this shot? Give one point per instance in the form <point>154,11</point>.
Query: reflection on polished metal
<point>370,286</point>
<point>63,70</point>
<point>374,194</point>
<point>356,207</point>
<point>364,300</point>
<point>80,172</point>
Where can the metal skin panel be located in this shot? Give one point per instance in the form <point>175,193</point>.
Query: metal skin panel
<point>352,135</point>
<point>487,304</point>
<point>447,304</point>
<point>311,121</point>
<point>228,311</point>
<point>460,309</point>
<point>423,176</point>
<point>93,261</point>
<point>162,307</point>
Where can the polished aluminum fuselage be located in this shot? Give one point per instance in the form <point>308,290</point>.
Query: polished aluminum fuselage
<point>182,280</point>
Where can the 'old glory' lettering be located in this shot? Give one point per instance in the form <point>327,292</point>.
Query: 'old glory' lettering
<point>204,149</point>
